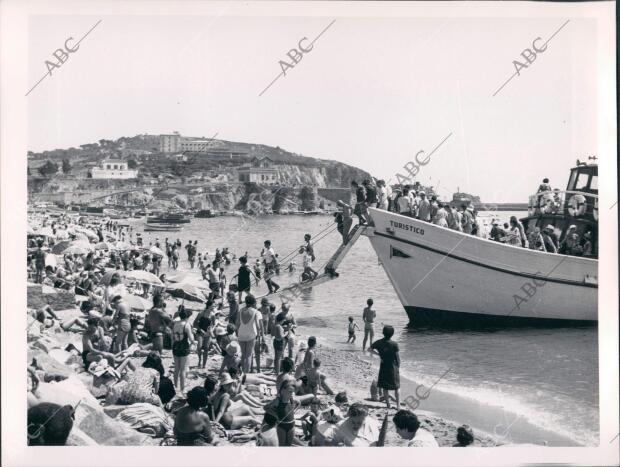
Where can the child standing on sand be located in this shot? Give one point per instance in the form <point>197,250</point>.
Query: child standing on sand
<point>352,327</point>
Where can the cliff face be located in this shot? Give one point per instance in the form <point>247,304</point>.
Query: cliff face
<point>187,180</point>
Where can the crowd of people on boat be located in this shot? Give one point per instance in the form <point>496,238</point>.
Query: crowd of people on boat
<point>413,202</point>
<point>269,380</point>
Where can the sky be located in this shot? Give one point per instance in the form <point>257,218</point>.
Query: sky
<point>372,92</point>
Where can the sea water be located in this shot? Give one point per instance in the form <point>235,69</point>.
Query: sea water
<point>548,377</point>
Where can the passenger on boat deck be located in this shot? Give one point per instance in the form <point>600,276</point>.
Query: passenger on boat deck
<point>371,193</point>
<point>544,186</point>
<point>467,220</point>
<point>382,195</point>
<point>570,244</point>
<point>403,204</point>
<point>536,240</point>
<point>441,215</point>
<point>424,208</point>
<point>550,239</point>
<point>454,218</point>
<point>586,244</point>
<point>434,206</point>
<point>408,427</point>
<point>360,209</point>
<point>513,235</point>
<point>497,233</point>
<point>522,235</point>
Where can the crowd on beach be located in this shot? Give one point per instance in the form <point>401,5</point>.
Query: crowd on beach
<point>414,203</point>
<point>261,382</point>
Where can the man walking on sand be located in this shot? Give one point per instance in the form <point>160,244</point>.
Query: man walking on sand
<point>368,316</point>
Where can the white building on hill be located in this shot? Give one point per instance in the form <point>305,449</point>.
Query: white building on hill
<point>260,171</point>
<point>113,169</point>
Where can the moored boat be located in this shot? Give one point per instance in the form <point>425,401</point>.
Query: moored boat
<point>205,213</point>
<point>168,218</point>
<point>446,277</point>
<point>162,227</point>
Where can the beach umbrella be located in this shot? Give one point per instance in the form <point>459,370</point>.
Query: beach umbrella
<point>178,277</point>
<point>156,251</point>
<point>123,246</point>
<point>137,303</point>
<point>62,235</point>
<point>81,237</point>
<point>51,260</point>
<point>144,277</point>
<point>76,250</point>
<point>105,246</point>
<point>45,231</point>
<point>383,432</point>
<point>60,247</point>
<point>186,292</point>
<point>87,232</point>
<point>82,243</point>
<point>105,279</point>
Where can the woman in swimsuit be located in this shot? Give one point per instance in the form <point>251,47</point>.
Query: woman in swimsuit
<point>192,426</point>
<point>231,419</point>
<point>182,339</point>
<point>243,282</point>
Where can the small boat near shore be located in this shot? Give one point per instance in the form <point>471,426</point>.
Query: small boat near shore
<point>168,218</point>
<point>162,227</point>
<point>205,214</point>
<point>446,277</point>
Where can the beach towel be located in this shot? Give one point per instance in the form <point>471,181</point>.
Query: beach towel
<point>147,418</point>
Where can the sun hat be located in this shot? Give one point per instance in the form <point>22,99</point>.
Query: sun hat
<point>220,331</point>
<point>264,300</point>
<point>303,346</point>
<point>233,348</point>
<point>573,226</point>
<point>549,227</point>
<point>226,379</point>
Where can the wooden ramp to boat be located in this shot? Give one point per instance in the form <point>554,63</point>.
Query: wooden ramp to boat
<point>291,292</point>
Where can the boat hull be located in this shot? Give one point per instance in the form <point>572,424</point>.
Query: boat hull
<point>162,228</point>
<point>446,277</point>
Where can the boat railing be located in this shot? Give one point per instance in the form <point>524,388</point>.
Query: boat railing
<point>568,203</point>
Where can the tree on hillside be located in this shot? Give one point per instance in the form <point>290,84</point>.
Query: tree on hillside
<point>66,167</point>
<point>132,163</point>
<point>49,168</point>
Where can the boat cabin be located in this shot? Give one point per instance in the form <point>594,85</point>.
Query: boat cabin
<point>577,205</point>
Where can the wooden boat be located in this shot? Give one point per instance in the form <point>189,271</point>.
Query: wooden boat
<point>162,227</point>
<point>446,277</point>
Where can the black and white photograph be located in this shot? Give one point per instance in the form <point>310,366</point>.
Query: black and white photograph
<point>313,225</point>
